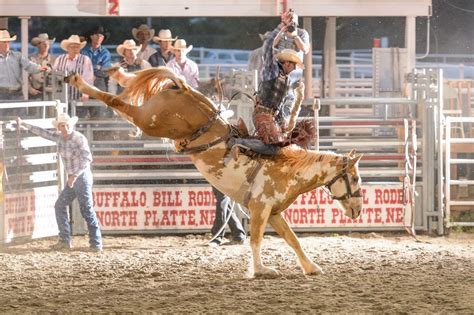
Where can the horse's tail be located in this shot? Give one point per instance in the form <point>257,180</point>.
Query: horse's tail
<point>149,82</point>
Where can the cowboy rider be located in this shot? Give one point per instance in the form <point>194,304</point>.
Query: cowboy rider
<point>268,117</point>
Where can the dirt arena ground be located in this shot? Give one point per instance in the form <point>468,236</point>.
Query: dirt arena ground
<point>364,273</point>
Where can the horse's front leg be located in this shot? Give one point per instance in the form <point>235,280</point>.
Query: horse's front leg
<point>259,217</point>
<point>280,225</point>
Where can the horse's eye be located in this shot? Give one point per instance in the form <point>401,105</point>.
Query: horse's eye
<point>355,179</point>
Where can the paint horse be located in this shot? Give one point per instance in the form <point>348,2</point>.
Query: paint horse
<point>265,185</point>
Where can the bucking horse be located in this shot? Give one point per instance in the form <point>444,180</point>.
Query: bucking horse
<point>266,185</point>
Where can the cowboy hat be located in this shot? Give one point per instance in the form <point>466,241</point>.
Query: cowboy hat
<point>289,55</point>
<point>65,119</point>
<point>43,37</point>
<point>143,28</point>
<point>5,36</point>
<point>164,35</point>
<point>127,44</point>
<point>73,39</point>
<point>98,30</point>
<point>180,44</point>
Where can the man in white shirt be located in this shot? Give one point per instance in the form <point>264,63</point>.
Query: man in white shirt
<point>182,65</point>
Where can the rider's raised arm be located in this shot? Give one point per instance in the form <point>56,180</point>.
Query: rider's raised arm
<point>270,65</point>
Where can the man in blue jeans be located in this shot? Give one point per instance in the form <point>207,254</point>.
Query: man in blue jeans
<point>222,214</point>
<point>74,150</point>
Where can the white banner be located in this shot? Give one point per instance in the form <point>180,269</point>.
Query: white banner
<point>30,213</point>
<point>192,208</point>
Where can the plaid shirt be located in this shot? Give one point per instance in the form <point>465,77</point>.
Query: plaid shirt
<point>74,150</point>
<point>274,87</point>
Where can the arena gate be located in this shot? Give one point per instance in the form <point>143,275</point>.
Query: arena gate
<point>31,173</point>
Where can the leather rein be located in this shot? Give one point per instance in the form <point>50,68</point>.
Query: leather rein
<point>349,193</point>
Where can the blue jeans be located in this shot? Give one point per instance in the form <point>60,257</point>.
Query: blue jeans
<point>255,145</point>
<point>82,189</point>
<point>236,229</point>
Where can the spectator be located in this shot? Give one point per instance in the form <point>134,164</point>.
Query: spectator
<point>74,150</point>
<point>11,64</point>
<point>182,65</point>
<point>130,63</point>
<point>291,36</point>
<point>73,61</point>
<point>99,55</point>
<point>44,59</point>
<point>165,53</point>
<point>143,34</point>
<point>223,211</point>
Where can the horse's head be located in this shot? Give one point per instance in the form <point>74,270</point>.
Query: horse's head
<point>345,187</point>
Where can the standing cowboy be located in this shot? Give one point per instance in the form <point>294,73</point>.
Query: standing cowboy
<point>43,58</point>
<point>130,63</point>
<point>165,53</point>
<point>11,64</point>
<point>99,55</point>
<point>74,62</point>
<point>143,35</point>
<point>182,65</point>
<point>74,150</point>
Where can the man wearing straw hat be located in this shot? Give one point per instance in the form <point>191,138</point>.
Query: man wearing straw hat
<point>165,53</point>
<point>73,148</point>
<point>130,63</point>
<point>11,64</point>
<point>143,35</point>
<point>73,62</point>
<point>182,65</point>
<point>43,58</point>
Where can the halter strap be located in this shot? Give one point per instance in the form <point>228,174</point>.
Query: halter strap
<point>343,175</point>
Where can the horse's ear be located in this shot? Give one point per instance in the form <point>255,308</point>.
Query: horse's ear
<point>352,153</point>
<point>355,159</point>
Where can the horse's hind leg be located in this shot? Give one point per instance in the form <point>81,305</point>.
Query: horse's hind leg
<point>109,99</point>
<point>258,221</point>
<point>280,225</point>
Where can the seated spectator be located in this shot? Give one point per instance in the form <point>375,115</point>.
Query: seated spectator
<point>99,55</point>
<point>182,65</point>
<point>43,58</point>
<point>165,53</point>
<point>130,63</point>
<point>143,34</point>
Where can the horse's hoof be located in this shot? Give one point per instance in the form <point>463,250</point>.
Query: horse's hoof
<point>266,273</point>
<point>314,270</point>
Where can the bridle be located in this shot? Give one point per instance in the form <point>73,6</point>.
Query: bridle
<point>349,193</point>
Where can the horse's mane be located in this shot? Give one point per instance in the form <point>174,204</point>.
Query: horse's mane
<point>150,82</point>
<point>297,158</point>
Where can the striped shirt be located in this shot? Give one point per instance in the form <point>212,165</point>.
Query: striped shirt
<point>74,150</point>
<point>81,64</point>
<point>11,65</point>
